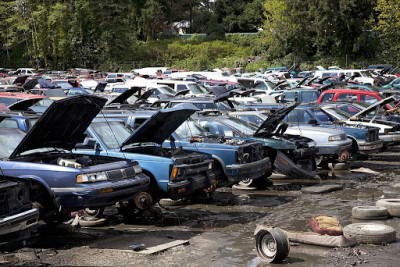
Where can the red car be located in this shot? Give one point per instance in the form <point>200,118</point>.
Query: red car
<point>11,98</point>
<point>368,97</point>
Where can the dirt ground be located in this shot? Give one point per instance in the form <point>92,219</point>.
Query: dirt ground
<point>220,233</point>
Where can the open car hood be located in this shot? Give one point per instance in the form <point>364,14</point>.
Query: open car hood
<point>161,125</point>
<point>379,104</point>
<point>63,124</point>
<point>24,104</point>
<point>124,96</point>
<point>145,95</point>
<point>270,124</point>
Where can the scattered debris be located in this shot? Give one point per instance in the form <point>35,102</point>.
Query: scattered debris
<point>320,189</point>
<point>364,170</point>
<point>325,225</point>
<point>163,247</point>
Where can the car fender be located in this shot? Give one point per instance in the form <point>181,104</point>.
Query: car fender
<point>42,183</point>
<point>220,162</point>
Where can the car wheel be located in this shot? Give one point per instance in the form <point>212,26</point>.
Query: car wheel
<point>369,213</point>
<point>93,213</point>
<point>370,233</point>
<point>272,246</point>
<point>260,183</point>
<point>392,205</point>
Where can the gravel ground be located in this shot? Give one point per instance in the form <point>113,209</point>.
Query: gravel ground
<point>220,233</point>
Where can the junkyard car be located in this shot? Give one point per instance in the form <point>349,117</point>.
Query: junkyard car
<point>365,140</point>
<point>17,214</point>
<point>230,163</point>
<point>333,145</point>
<point>389,131</point>
<point>293,155</point>
<point>60,180</point>
<point>175,172</point>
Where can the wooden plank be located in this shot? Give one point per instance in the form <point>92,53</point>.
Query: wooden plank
<point>162,247</point>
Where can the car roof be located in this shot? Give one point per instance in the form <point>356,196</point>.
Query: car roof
<point>351,91</point>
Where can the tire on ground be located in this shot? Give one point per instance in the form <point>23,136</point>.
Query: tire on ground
<point>370,233</point>
<point>369,213</point>
<point>392,205</point>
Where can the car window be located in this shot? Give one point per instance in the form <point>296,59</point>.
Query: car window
<point>348,109</point>
<point>352,97</point>
<point>369,99</point>
<point>9,123</point>
<point>327,97</point>
<point>181,87</point>
<point>298,116</point>
<point>290,96</point>
<point>309,97</point>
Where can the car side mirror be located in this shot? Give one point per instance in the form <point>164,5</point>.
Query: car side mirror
<point>91,143</point>
<point>313,122</point>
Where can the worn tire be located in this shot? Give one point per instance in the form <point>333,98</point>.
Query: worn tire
<point>370,233</point>
<point>272,246</point>
<point>392,205</point>
<point>369,213</point>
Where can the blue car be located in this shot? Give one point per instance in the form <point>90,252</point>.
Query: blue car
<point>174,172</point>
<point>234,160</point>
<point>60,180</point>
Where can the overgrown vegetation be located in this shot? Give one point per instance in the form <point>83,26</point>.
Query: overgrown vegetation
<point>122,34</point>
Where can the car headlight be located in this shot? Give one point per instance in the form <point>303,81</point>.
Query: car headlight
<point>335,138</point>
<point>137,168</point>
<point>91,177</point>
<point>312,144</point>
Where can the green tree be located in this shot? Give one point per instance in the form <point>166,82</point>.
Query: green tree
<point>388,29</point>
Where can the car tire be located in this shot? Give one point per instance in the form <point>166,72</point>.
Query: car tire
<point>392,205</point>
<point>370,233</point>
<point>272,246</point>
<point>259,183</point>
<point>369,213</point>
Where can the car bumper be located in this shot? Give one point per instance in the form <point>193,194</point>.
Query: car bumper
<point>365,148</point>
<point>101,194</point>
<point>19,222</point>
<point>238,172</point>
<point>192,184</point>
<point>390,139</point>
<point>335,148</point>
<point>286,166</point>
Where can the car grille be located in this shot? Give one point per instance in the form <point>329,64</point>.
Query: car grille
<point>372,135</point>
<point>120,173</point>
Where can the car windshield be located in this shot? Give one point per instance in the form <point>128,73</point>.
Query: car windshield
<point>166,90</point>
<point>242,126</point>
<point>309,97</point>
<point>63,85</point>
<point>8,142</point>
<point>112,134</point>
<point>196,89</point>
<point>190,128</point>
<point>365,73</point>
<point>323,116</point>
<point>339,114</point>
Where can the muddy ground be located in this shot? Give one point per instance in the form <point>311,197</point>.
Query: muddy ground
<point>220,233</point>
